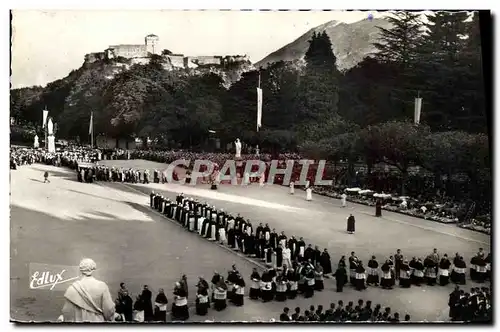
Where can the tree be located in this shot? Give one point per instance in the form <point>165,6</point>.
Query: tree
<point>398,144</point>
<point>366,93</point>
<point>279,82</point>
<point>400,43</point>
<point>276,140</point>
<point>240,106</point>
<point>446,65</point>
<point>399,46</point>
<point>319,87</point>
<point>442,152</point>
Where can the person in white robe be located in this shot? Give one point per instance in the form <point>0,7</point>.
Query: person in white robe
<point>200,224</point>
<point>222,236</point>
<point>343,200</point>
<point>308,194</point>
<point>262,179</point>
<point>287,257</point>
<point>88,299</point>
<point>292,188</point>
<point>404,204</point>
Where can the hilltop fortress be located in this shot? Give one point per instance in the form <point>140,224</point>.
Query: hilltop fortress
<point>140,54</point>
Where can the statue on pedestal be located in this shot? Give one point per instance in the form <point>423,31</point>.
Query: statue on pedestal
<point>237,144</point>
<point>51,144</point>
<point>36,143</point>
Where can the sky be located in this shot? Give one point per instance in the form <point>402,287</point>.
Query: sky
<point>47,45</point>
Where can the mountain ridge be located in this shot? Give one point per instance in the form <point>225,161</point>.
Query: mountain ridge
<point>351,43</point>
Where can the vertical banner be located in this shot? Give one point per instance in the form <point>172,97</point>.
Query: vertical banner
<point>45,114</point>
<point>91,124</point>
<point>259,108</point>
<point>418,109</point>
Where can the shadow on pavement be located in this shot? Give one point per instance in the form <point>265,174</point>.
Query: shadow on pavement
<point>129,251</point>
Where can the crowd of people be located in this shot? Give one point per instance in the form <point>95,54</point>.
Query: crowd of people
<point>294,268</point>
<point>422,204</point>
<point>474,306</point>
<point>338,312</point>
<point>438,207</point>
<point>68,157</point>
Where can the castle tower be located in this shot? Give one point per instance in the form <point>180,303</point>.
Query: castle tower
<point>152,44</point>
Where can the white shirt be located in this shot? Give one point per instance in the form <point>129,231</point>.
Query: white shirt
<point>287,254</point>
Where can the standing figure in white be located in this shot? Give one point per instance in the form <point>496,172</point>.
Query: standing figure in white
<point>237,144</point>
<point>262,179</point>
<point>292,188</point>
<point>309,194</point>
<point>343,199</point>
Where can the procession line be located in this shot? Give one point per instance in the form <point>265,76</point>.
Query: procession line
<point>429,229</point>
<point>216,243</point>
<point>369,214</point>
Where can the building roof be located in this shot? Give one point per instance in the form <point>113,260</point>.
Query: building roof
<point>126,45</point>
<point>151,35</point>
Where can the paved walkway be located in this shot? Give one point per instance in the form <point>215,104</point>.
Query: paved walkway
<point>61,222</point>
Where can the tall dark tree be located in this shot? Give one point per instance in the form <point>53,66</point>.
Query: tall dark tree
<point>440,71</point>
<point>472,117</point>
<point>319,87</point>
<point>366,93</point>
<point>400,43</point>
<point>399,46</point>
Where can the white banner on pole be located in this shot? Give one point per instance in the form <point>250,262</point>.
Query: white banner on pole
<point>91,123</point>
<point>259,108</point>
<point>45,115</point>
<point>418,110</point>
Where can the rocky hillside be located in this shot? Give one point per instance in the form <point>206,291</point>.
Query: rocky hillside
<point>99,82</point>
<point>351,43</point>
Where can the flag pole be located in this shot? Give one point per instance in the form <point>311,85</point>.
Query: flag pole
<point>258,87</point>
<point>46,131</point>
<point>91,129</point>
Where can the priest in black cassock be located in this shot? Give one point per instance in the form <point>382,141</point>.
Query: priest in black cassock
<point>249,239</point>
<point>261,243</point>
<point>309,253</point>
<point>279,257</point>
<point>340,277</point>
<point>351,228</point>
<point>267,232</point>
<point>292,244</point>
<point>273,239</point>
<point>151,198</point>
<point>378,209</point>
<point>301,247</point>
<point>240,235</point>
<point>325,262</point>
<point>372,271</point>
<point>212,228</point>
<point>259,231</point>
<point>316,256</point>
<point>254,292</point>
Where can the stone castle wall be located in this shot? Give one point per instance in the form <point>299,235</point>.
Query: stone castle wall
<point>139,54</point>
